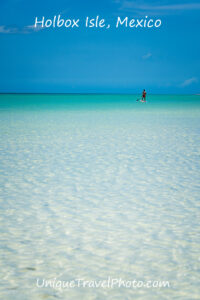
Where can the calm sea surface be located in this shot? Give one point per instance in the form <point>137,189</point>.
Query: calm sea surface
<point>96,187</point>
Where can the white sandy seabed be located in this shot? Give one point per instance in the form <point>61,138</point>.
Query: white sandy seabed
<point>98,194</point>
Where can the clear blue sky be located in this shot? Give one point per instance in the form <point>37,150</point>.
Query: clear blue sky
<point>163,60</point>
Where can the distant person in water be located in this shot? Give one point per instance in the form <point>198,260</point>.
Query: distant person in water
<point>144,96</point>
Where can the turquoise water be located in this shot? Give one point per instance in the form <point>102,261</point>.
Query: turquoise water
<point>93,102</point>
<point>98,186</point>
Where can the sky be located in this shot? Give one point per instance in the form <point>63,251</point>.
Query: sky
<point>99,60</point>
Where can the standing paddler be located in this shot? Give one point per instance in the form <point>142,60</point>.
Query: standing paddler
<point>144,96</point>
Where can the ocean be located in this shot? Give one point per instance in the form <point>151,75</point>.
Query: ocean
<point>99,188</point>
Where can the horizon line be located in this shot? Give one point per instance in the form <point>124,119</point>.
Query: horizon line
<point>46,93</point>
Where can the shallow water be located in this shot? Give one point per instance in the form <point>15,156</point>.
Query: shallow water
<point>96,187</point>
